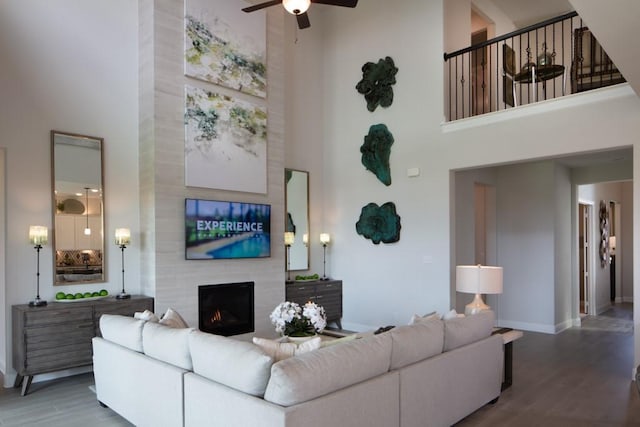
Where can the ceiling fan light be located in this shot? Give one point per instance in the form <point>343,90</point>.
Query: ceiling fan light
<point>296,7</point>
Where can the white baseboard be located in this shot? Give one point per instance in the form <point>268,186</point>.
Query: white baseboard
<point>526,326</point>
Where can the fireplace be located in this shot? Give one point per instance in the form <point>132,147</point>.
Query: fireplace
<point>226,309</point>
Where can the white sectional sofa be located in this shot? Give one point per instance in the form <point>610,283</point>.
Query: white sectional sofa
<point>432,373</point>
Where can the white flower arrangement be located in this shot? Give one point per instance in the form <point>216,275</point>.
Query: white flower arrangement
<point>292,320</point>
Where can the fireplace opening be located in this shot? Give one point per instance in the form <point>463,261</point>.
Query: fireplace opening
<point>226,309</point>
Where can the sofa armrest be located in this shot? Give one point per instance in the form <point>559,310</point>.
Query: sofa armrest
<point>145,391</point>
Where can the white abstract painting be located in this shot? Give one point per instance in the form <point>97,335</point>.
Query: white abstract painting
<point>226,46</point>
<point>225,142</point>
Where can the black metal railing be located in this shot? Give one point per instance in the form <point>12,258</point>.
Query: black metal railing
<point>547,60</point>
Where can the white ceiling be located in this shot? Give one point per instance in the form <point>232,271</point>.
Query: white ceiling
<point>527,12</point>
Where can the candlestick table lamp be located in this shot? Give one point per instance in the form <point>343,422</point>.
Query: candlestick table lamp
<point>325,239</point>
<point>38,236</point>
<point>289,240</point>
<point>123,238</point>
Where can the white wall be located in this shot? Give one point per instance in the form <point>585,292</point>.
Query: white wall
<point>69,65</point>
<point>626,243</point>
<point>526,247</point>
<point>4,330</point>
<point>564,262</point>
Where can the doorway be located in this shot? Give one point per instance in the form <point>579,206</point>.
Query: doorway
<point>584,239</point>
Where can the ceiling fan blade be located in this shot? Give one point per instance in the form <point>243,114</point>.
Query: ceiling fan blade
<point>343,3</point>
<point>303,21</point>
<point>262,5</point>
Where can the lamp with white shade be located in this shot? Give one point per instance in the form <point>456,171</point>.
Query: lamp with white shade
<point>478,279</point>
<point>289,240</point>
<point>123,238</point>
<point>38,236</point>
<point>325,239</point>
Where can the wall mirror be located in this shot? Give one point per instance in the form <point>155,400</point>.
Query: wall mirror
<point>297,217</point>
<point>78,208</point>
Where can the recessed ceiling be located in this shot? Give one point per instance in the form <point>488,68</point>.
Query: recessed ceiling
<point>596,158</point>
<point>527,12</point>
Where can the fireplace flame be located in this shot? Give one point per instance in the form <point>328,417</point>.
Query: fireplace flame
<point>217,316</point>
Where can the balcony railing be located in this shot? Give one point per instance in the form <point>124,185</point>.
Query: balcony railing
<point>554,58</point>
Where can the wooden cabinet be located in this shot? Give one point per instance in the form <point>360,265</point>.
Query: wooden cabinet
<point>58,336</point>
<point>326,293</point>
<point>70,235</point>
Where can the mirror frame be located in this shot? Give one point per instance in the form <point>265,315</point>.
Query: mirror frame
<point>298,250</point>
<point>79,270</point>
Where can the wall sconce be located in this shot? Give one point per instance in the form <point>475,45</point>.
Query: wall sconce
<point>305,239</point>
<point>38,236</point>
<point>289,240</point>
<point>478,279</point>
<point>123,238</point>
<point>325,239</point>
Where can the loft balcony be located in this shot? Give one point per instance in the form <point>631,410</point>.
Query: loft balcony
<point>554,58</point>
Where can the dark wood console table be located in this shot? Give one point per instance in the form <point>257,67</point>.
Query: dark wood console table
<point>58,335</point>
<point>326,293</point>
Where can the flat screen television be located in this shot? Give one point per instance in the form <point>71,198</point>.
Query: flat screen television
<point>226,230</point>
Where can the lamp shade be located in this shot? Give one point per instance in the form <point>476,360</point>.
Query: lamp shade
<point>325,238</point>
<point>123,236</point>
<point>296,7</point>
<point>289,238</point>
<point>479,279</point>
<point>38,235</point>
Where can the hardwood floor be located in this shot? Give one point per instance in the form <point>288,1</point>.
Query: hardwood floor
<point>580,377</point>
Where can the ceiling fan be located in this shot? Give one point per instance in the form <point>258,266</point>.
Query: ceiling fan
<point>299,8</point>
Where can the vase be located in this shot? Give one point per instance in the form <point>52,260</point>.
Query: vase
<point>300,340</point>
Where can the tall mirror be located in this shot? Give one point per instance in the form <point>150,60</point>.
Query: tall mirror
<point>78,208</point>
<point>297,217</point>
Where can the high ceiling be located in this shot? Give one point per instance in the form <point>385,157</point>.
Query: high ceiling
<point>527,12</point>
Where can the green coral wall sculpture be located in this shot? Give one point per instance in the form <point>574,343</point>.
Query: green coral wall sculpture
<point>376,151</point>
<point>379,223</point>
<point>377,79</point>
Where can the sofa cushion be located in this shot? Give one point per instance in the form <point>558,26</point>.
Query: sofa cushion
<point>213,357</point>
<point>416,342</point>
<point>315,374</point>
<point>283,350</point>
<point>465,330</point>
<point>167,344</point>
<point>123,330</point>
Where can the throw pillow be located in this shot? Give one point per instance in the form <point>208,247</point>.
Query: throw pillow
<point>172,319</point>
<point>427,317</point>
<point>147,316</point>
<point>284,350</point>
